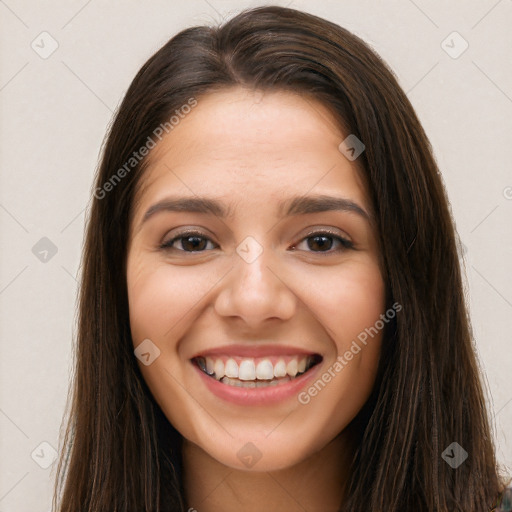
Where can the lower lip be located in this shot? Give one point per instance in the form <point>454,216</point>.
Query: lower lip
<point>258,396</point>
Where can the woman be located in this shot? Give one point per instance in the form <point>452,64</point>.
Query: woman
<point>271,312</point>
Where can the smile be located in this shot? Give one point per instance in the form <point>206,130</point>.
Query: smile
<point>248,372</point>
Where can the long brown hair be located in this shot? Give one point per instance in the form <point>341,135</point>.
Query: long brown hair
<point>119,452</point>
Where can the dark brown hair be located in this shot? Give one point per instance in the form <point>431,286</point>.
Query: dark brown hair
<point>119,452</point>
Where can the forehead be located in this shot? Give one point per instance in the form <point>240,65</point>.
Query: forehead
<point>238,123</point>
<point>241,145</point>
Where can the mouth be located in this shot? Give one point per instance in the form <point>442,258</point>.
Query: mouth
<point>256,372</point>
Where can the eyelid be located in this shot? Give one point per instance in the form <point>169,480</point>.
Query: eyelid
<point>182,231</point>
<point>316,230</point>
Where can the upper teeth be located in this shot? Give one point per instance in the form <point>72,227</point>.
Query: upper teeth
<point>249,369</point>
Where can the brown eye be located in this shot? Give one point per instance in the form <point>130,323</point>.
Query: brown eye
<point>190,241</point>
<point>323,241</point>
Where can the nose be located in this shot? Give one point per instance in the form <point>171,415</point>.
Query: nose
<point>256,292</point>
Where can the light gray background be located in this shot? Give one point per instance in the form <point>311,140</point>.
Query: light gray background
<point>55,112</point>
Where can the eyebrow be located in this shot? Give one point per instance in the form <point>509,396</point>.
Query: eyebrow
<point>297,205</point>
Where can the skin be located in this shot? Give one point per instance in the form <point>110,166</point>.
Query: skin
<point>250,150</point>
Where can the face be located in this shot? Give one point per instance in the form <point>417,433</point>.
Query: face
<point>247,292</point>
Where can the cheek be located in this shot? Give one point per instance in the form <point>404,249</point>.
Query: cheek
<point>350,309</point>
<point>348,300</point>
<point>351,313</point>
<point>160,297</point>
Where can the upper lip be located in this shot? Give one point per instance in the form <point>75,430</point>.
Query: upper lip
<point>254,351</point>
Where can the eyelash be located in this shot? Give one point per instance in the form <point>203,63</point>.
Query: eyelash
<point>346,244</point>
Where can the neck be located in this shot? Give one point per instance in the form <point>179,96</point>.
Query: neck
<point>316,484</point>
